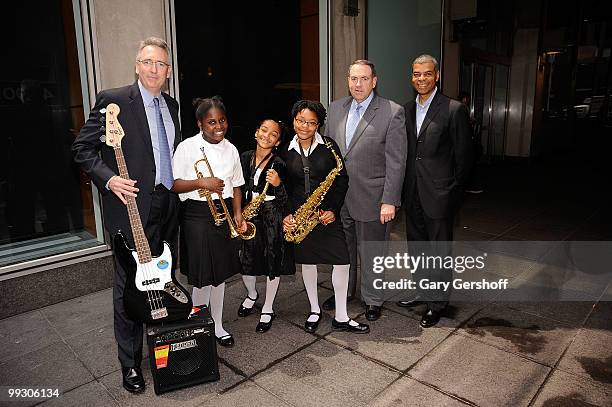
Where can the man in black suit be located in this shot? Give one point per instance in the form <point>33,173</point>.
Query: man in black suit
<point>150,122</point>
<point>439,161</point>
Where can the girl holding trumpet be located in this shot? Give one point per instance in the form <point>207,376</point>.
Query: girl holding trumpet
<point>265,254</point>
<point>208,166</point>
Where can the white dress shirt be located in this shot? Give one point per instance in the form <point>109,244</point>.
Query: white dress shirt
<point>223,158</point>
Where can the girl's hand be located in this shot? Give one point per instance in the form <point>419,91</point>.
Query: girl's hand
<point>326,217</point>
<point>273,178</point>
<point>288,223</point>
<point>213,184</point>
<point>240,223</point>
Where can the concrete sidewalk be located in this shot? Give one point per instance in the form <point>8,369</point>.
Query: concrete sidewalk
<point>485,354</point>
<point>491,353</point>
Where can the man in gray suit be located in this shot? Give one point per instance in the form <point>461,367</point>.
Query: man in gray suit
<point>370,131</point>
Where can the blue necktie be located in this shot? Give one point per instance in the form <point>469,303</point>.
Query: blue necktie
<point>165,159</point>
<point>352,125</point>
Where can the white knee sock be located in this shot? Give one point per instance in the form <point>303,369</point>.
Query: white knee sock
<point>271,288</point>
<point>216,309</point>
<point>340,279</point>
<point>249,283</point>
<point>201,296</point>
<point>309,274</point>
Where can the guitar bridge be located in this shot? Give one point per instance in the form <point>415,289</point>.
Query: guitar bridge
<point>159,313</point>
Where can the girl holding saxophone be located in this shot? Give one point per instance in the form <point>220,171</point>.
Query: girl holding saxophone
<point>265,194</point>
<point>316,184</point>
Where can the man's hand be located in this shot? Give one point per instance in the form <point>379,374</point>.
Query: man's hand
<point>122,187</point>
<point>387,213</point>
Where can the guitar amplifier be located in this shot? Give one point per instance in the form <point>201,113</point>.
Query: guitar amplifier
<point>183,353</point>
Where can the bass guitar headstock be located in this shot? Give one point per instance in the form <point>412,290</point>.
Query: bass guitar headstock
<point>114,131</point>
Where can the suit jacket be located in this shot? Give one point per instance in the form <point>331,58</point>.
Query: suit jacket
<point>376,158</point>
<point>98,160</point>
<point>440,157</point>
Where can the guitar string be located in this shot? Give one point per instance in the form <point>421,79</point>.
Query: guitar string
<point>154,297</point>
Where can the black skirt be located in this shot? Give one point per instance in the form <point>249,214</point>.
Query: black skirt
<point>265,254</point>
<point>323,245</point>
<point>208,255</point>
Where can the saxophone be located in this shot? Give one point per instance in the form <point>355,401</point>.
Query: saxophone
<point>250,211</point>
<point>307,216</point>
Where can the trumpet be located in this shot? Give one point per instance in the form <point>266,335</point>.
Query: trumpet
<point>225,216</point>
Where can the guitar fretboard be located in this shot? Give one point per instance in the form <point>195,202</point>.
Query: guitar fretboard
<point>140,240</point>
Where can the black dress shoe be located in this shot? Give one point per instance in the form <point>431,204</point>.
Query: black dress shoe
<point>430,318</point>
<point>311,327</point>
<point>346,326</point>
<point>410,303</point>
<point>329,304</point>
<point>373,312</point>
<point>133,380</point>
<point>226,340</point>
<point>265,326</point>
<point>244,311</point>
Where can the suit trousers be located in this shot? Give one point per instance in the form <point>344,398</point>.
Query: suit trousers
<point>161,226</point>
<point>356,233</point>
<point>430,237</point>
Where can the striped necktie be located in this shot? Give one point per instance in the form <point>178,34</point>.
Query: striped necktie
<point>165,159</point>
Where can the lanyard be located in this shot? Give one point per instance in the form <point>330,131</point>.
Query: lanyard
<point>254,168</point>
<point>306,167</point>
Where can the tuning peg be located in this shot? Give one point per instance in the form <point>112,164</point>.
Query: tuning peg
<point>103,110</point>
<point>103,138</point>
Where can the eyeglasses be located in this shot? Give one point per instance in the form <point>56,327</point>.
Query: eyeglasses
<point>149,63</point>
<point>302,122</point>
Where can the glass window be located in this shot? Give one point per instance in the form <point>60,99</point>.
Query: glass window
<point>259,56</point>
<point>46,205</point>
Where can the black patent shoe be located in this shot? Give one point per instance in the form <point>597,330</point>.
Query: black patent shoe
<point>265,326</point>
<point>226,340</point>
<point>133,380</point>
<point>311,327</point>
<point>244,311</point>
<point>430,318</point>
<point>373,312</point>
<point>346,326</point>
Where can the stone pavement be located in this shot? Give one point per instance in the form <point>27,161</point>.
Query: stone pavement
<point>487,353</point>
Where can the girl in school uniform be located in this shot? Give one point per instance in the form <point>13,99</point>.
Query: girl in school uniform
<point>208,255</point>
<point>265,254</point>
<point>309,160</point>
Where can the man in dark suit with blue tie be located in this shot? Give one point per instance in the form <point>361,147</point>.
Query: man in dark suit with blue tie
<point>438,164</point>
<point>150,122</point>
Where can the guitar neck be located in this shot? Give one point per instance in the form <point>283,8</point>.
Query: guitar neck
<point>140,239</point>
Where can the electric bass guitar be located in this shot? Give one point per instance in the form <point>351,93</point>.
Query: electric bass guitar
<point>152,294</point>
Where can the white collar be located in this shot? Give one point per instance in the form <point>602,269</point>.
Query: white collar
<point>294,145</point>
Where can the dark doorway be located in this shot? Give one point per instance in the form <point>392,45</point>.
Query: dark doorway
<point>260,57</point>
